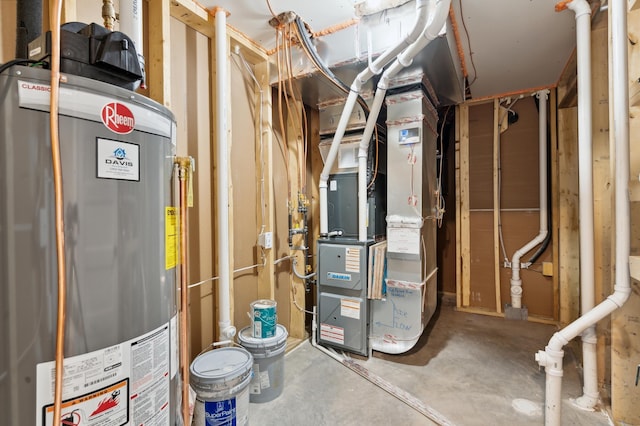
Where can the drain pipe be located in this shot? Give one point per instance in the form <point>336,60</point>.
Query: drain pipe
<point>551,357</point>
<point>430,32</point>
<point>374,68</point>
<point>225,329</point>
<point>516,280</point>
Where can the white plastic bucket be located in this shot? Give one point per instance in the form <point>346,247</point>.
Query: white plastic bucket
<point>221,380</point>
<point>264,318</point>
<point>268,368</point>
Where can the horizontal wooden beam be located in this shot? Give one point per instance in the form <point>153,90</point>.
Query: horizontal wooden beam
<point>194,16</point>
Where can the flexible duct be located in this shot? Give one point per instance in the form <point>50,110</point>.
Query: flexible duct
<point>28,25</point>
<point>551,357</point>
<point>430,32</point>
<point>516,280</point>
<point>374,68</point>
<point>225,329</point>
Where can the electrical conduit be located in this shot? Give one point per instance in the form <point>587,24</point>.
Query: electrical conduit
<point>225,329</point>
<point>516,280</point>
<point>430,32</point>
<point>374,68</point>
<point>551,357</point>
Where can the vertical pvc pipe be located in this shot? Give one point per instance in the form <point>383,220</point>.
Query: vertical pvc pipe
<point>131,25</point>
<point>225,329</point>
<point>551,357</point>
<point>516,280</point>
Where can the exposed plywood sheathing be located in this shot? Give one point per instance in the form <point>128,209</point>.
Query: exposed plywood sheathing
<point>505,190</point>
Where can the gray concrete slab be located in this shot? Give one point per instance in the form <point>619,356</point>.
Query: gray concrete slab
<point>473,369</point>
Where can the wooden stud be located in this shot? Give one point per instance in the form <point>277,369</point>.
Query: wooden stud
<point>193,15</point>
<point>458,202</point>
<point>159,55</point>
<point>554,225</point>
<point>294,137</point>
<point>496,201</point>
<point>465,230</point>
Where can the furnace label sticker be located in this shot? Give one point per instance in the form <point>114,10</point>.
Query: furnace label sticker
<point>350,308</point>
<point>333,334</point>
<point>170,237</point>
<point>338,276</point>
<point>352,259</point>
<point>117,160</point>
<point>108,406</point>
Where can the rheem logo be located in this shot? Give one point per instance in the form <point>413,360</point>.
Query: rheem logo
<point>118,118</point>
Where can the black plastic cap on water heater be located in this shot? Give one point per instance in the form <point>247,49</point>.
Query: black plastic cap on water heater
<point>94,52</point>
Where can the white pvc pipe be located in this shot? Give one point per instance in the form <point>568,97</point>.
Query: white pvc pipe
<point>551,357</point>
<point>130,18</point>
<point>373,69</point>
<point>226,330</point>
<point>516,280</point>
<point>430,32</point>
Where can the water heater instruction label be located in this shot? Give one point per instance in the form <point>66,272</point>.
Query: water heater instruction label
<point>170,237</point>
<point>117,160</point>
<point>123,384</point>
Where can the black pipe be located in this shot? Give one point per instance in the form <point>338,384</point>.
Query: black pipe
<point>28,25</point>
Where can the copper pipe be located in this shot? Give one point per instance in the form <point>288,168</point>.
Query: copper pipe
<point>335,28</point>
<point>456,35</point>
<point>108,14</point>
<point>54,22</point>
<point>183,171</point>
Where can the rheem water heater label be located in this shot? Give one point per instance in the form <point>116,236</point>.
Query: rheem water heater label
<point>117,160</point>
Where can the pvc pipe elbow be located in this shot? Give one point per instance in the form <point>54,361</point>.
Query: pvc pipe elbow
<point>227,331</point>
<point>620,295</point>
<point>323,181</point>
<point>579,7</point>
<point>557,342</point>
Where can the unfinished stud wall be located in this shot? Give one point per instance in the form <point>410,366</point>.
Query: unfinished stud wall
<point>8,32</point>
<point>484,281</point>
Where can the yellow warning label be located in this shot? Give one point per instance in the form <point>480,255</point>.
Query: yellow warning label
<point>171,237</point>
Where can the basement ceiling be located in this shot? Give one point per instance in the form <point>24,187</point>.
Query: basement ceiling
<point>508,45</point>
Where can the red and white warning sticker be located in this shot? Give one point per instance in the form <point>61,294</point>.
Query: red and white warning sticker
<point>108,406</point>
<point>331,333</point>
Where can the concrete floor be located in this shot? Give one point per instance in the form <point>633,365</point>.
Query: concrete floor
<point>472,369</point>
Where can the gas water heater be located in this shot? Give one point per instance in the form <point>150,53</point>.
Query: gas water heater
<point>117,150</point>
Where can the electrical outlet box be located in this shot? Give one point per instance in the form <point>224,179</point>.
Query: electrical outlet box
<point>547,269</point>
<point>265,240</point>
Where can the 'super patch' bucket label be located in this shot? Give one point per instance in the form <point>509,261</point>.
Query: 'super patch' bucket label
<point>219,413</point>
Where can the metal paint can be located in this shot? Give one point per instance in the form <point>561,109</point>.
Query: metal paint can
<point>264,318</point>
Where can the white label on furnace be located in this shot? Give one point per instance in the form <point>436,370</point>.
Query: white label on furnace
<point>117,160</point>
<point>350,308</point>
<point>333,185</point>
<point>330,333</point>
<point>403,240</point>
<point>352,259</point>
